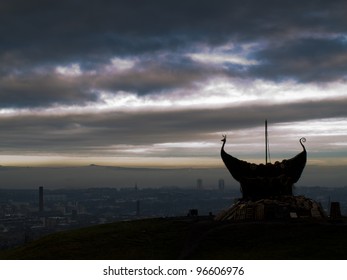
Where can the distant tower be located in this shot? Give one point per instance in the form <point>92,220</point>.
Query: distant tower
<point>137,208</point>
<point>41,199</point>
<point>199,184</point>
<point>221,184</point>
<point>335,210</point>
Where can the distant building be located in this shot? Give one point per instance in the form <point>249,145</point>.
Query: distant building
<point>138,208</point>
<point>221,185</point>
<point>199,184</point>
<point>335,210</point>
<point>41,199</point>
<point>193,213</point>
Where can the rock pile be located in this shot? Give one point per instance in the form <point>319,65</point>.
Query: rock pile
<point>276,208</point>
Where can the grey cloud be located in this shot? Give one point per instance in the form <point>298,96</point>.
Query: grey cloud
<point>42,35</point>
<point>43,90</point>
<point>96,133</point>
<point>74,30</point>
<point>305,60</point>
<point>37,89</point>
<point>151,76</point>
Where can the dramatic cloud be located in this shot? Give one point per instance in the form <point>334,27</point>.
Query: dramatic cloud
<point>305,60</point>
<point>143,82</point>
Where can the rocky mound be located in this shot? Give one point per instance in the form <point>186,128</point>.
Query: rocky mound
<point>282,207</point>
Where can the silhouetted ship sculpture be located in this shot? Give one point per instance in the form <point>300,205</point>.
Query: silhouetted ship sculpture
<point>267,189</point>
<point>265,180</point>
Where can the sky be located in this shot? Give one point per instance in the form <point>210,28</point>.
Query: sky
<point>157,83</point>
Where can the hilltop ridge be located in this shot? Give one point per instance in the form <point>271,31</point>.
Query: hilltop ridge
<point>191,238</point>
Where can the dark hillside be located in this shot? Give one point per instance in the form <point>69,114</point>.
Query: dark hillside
<point>183,238</point>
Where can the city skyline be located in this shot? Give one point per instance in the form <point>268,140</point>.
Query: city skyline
<point>156,84</point>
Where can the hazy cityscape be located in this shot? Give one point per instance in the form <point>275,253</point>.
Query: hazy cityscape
<point>28,214</point>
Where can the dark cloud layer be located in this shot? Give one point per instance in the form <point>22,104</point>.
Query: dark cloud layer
<point>303,42</point>
<point>102,22</point>
<point>68,67</point>
<point>30,90</point>
<point>305,60</point>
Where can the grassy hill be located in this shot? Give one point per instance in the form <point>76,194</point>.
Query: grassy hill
<point>183,238</point>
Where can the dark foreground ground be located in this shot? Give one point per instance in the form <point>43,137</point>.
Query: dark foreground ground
<point>199,238</point>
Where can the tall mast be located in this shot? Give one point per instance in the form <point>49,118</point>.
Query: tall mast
<point>266,142</point>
